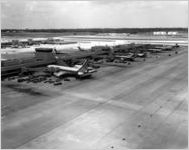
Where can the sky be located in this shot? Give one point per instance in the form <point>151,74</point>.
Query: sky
<point>45,14</point>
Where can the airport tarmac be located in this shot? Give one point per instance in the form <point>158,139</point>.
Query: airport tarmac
<point>142,106</point>
<point>86,42</point>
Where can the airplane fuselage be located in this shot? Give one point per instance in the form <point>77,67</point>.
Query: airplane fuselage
<point>77,70</point>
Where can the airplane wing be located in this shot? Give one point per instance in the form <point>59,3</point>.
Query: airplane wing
<point>60,73</point>
<point>65,68</point>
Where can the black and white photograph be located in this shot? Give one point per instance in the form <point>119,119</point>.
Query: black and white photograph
<point>94,74</point>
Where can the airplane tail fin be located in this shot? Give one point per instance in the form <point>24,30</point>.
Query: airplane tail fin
<point>80,48</point>
<point>84,65</point>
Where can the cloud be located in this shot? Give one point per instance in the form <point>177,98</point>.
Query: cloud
<point>93,14</point>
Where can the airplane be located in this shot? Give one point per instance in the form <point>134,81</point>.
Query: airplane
<point>78,70</point>
<point>129,57</point>
<point>165,48</point>
<point>155,50</point>
<point>142,55</point>
<point>81,49</point>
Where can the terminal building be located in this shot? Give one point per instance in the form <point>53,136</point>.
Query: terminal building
<point>165,33</point>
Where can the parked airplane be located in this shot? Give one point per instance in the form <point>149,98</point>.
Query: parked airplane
<point>77,70</point>
<point>81,49</point>
<point>129,57</point>
<point>166,48</point>
<point>142,55</point>
<point>154,50</point>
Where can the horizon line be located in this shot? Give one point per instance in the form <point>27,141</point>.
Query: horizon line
<point>91,28</point>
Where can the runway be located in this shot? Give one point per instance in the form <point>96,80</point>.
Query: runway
<point>144,106</point>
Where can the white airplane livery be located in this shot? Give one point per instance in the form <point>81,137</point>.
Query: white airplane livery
<point>80,70</point>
